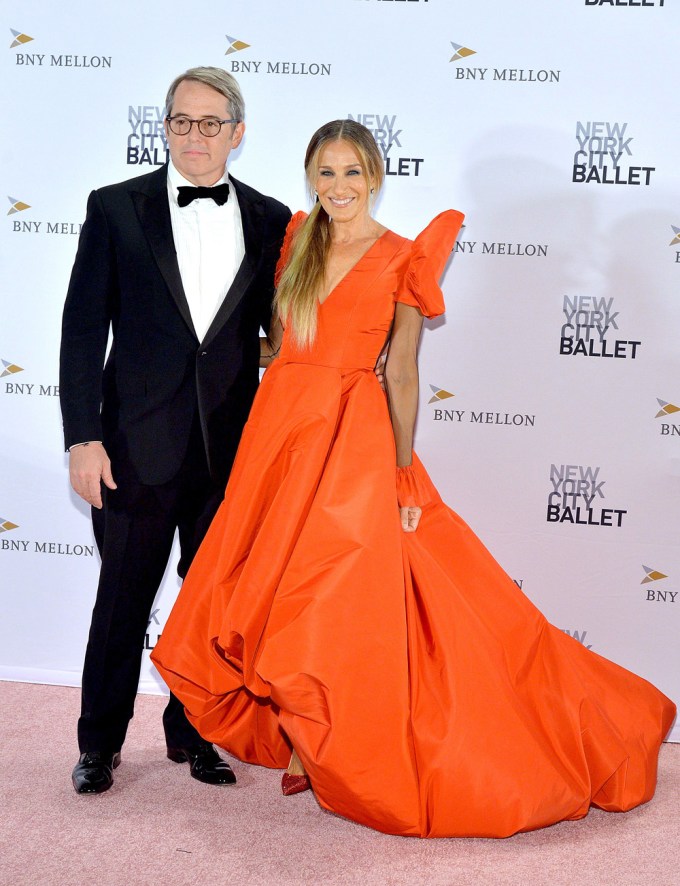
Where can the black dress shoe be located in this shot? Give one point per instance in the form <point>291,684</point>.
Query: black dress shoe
<point>205,764</point>
<point>93,773</point>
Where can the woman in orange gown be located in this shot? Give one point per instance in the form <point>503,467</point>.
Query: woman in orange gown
<point>354,617</point>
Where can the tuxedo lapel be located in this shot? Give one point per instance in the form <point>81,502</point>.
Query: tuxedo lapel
<point>151,205</point>
<point>252,219</point>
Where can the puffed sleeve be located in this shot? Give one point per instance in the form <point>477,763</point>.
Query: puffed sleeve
<point>429,253</point>
<point>287,246</point>
<point>414,487</point>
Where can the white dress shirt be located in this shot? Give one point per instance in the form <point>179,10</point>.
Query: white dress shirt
<point>210,248</point>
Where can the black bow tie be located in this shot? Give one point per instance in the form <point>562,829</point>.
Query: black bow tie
<point>220,194</point>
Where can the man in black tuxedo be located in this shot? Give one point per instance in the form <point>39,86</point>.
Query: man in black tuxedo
<point>179,266</point>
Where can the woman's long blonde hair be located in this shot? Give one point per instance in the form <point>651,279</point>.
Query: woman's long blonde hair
<point>301,281</point>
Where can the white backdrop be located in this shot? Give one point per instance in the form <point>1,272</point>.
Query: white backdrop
<point>555,373</point>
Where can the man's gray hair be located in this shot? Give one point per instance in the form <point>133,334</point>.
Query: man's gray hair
<point>217,79</point>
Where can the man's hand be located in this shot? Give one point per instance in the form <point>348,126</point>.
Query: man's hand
<point>88,467</point>
<point>410,518</point>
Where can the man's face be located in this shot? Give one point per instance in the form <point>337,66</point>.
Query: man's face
<point>199,158</point>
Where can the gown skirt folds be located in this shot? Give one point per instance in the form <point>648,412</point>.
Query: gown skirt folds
<point>423,692</point>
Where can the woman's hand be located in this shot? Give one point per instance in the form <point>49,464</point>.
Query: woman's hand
<point>379,370</point>
<point>410,518</point>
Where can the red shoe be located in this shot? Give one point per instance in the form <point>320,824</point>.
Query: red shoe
<point>294,784</point>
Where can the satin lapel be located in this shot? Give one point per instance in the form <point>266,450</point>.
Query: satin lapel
<point>151,205</point>
<point>252,219</point>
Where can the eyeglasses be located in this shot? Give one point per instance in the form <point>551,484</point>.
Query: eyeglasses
<point>207,126</point>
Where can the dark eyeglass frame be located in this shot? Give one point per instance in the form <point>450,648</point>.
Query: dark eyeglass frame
<point>198,124</point>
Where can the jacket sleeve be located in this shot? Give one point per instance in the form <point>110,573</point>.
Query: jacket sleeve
<point>88,313</point>
<point>279,218</point>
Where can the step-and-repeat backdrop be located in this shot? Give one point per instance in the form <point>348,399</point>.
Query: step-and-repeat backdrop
<point>550,390</point>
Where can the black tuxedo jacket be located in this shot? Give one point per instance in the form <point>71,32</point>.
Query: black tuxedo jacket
<point>158,375</point>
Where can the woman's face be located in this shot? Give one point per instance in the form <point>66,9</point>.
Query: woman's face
<point>341,182</point>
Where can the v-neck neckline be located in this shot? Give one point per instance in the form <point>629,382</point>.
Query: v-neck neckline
<point>354,267</point>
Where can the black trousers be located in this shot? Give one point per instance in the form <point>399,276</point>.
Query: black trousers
<point>134,532</point>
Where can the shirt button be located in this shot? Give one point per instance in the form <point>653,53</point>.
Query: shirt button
<point>204,353</point>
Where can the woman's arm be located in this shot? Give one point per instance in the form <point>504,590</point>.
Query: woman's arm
<point>270,345</point>
<point>401,380</point>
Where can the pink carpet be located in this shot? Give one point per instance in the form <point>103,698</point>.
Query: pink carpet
<point>159,826</point>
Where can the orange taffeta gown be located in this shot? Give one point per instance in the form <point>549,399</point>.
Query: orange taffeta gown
<point>424,693</point>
